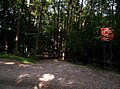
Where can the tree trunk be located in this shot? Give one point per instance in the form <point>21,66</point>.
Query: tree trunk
<point>58,31</point>
<point>118,6</point>
<point>54,29</point>
<point>38,32</point>
<point>4,26</point>
<point>17,35</point>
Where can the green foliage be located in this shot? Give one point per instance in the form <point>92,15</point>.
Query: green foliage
<point>18,58</point>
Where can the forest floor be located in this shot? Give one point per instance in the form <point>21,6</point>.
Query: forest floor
<point>54,74</point>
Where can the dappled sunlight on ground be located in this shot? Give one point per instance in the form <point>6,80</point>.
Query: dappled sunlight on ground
<point>66,82</point>
<point>70,82</point>
<point>61,79</point>
<point>47,77</point>
<point>7,63</point>
<point>21,77</point>
<point>44,81</point>
<point>14,63</point>
<point>55,74</point>
<point>23,65</point>
<point>35,87</point>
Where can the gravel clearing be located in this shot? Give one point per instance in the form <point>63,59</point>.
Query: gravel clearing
<point>53,74</point>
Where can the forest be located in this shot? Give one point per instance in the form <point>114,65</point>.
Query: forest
<point>61,29</point>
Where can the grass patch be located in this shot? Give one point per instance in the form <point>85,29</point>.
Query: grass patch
<point>18,58</point>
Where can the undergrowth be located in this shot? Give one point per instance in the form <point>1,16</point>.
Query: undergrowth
<point>18,58</point>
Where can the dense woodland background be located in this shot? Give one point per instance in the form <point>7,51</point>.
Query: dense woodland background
<point>63,29</point>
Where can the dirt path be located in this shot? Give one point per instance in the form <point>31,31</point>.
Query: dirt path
<point>54,75</point>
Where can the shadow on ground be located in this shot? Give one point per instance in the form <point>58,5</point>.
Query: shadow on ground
<point>54,74</point>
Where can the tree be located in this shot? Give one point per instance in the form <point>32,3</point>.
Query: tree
<point>57,28</point>
<point>41,8</point>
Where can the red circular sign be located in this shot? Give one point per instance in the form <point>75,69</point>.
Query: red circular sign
<point>106,34</point>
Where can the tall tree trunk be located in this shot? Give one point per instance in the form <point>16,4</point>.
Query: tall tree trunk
<point>71,14</point>
<point>58,31</point>
<point>54,29</point>
<point>4,26</point>
<point>112,7</point>
<point>18,27</point>
<point>118,6</point>
<point>6,42</point>
<point>17,34</point>
<point>67,29</point>
<point>38,32</point>
<point>29,29</point>
<point>81,8</point>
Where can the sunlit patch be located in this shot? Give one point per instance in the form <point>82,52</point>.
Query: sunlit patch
<point>19,81</point>
<point>55,60</point>
<point>35,87</point>
<point>69,83</point>
<point>23,65</point>
<point>40,67</point>
<point>23,75</point>
<point>61,79</point>
<point>45,79</point>
<point>9,63</point>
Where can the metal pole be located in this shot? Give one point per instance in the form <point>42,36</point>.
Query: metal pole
<point>104,53</point>
<point>110,54</point>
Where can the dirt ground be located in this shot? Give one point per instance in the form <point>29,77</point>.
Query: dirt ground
<point>54,74</point>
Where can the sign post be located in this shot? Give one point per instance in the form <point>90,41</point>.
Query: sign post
<point>107,36</point>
